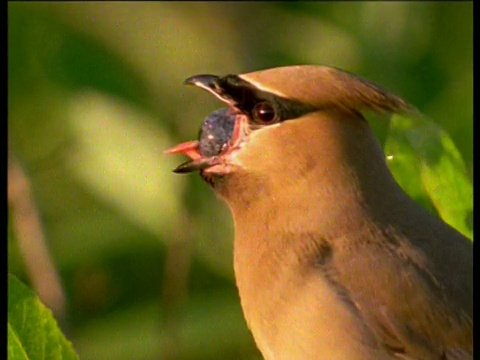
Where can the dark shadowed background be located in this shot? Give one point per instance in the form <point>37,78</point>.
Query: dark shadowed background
<point>135,261</point>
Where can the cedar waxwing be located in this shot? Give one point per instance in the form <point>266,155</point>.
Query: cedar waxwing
<point>332,259</point>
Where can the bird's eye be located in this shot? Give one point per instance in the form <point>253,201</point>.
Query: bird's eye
<point>264,113</point>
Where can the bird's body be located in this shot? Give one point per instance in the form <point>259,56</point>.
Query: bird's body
<point>332,259</point>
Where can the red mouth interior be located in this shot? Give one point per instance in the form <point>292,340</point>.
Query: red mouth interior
<point>189,148</point>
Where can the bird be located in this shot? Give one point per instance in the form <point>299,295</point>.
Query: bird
<point>332,259</point>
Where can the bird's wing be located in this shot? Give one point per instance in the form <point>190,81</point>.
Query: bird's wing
<point>457,354</point>
<point>402,301</point>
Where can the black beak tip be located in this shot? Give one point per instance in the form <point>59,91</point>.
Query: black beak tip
<point>205,80</point>
<point>195,165</point>
<point>183,169</point>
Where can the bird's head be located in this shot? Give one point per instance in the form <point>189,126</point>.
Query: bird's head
<point>282,127</point>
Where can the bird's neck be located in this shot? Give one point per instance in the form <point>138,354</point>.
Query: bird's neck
<point>309,199</point>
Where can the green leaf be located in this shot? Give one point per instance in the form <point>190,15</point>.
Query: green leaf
<point>32,330</point>
<point>428,166</point>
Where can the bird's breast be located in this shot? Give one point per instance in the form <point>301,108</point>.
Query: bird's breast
<point>292,309</point>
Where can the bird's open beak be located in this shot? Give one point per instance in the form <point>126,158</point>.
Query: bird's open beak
<point>200,162</point>
<point>197,162</point>
<point>200,158</point>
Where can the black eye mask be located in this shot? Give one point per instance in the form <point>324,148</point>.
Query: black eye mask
<point>222,131</point>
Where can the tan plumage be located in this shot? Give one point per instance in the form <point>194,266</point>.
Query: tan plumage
<point>332,259</point>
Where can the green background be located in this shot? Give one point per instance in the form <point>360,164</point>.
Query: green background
<point>95,95</point>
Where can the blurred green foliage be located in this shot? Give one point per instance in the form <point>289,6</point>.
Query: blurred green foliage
<point>95,95</point>
<point>32,330</point>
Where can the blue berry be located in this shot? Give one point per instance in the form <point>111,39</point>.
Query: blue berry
<point>216,131</point>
